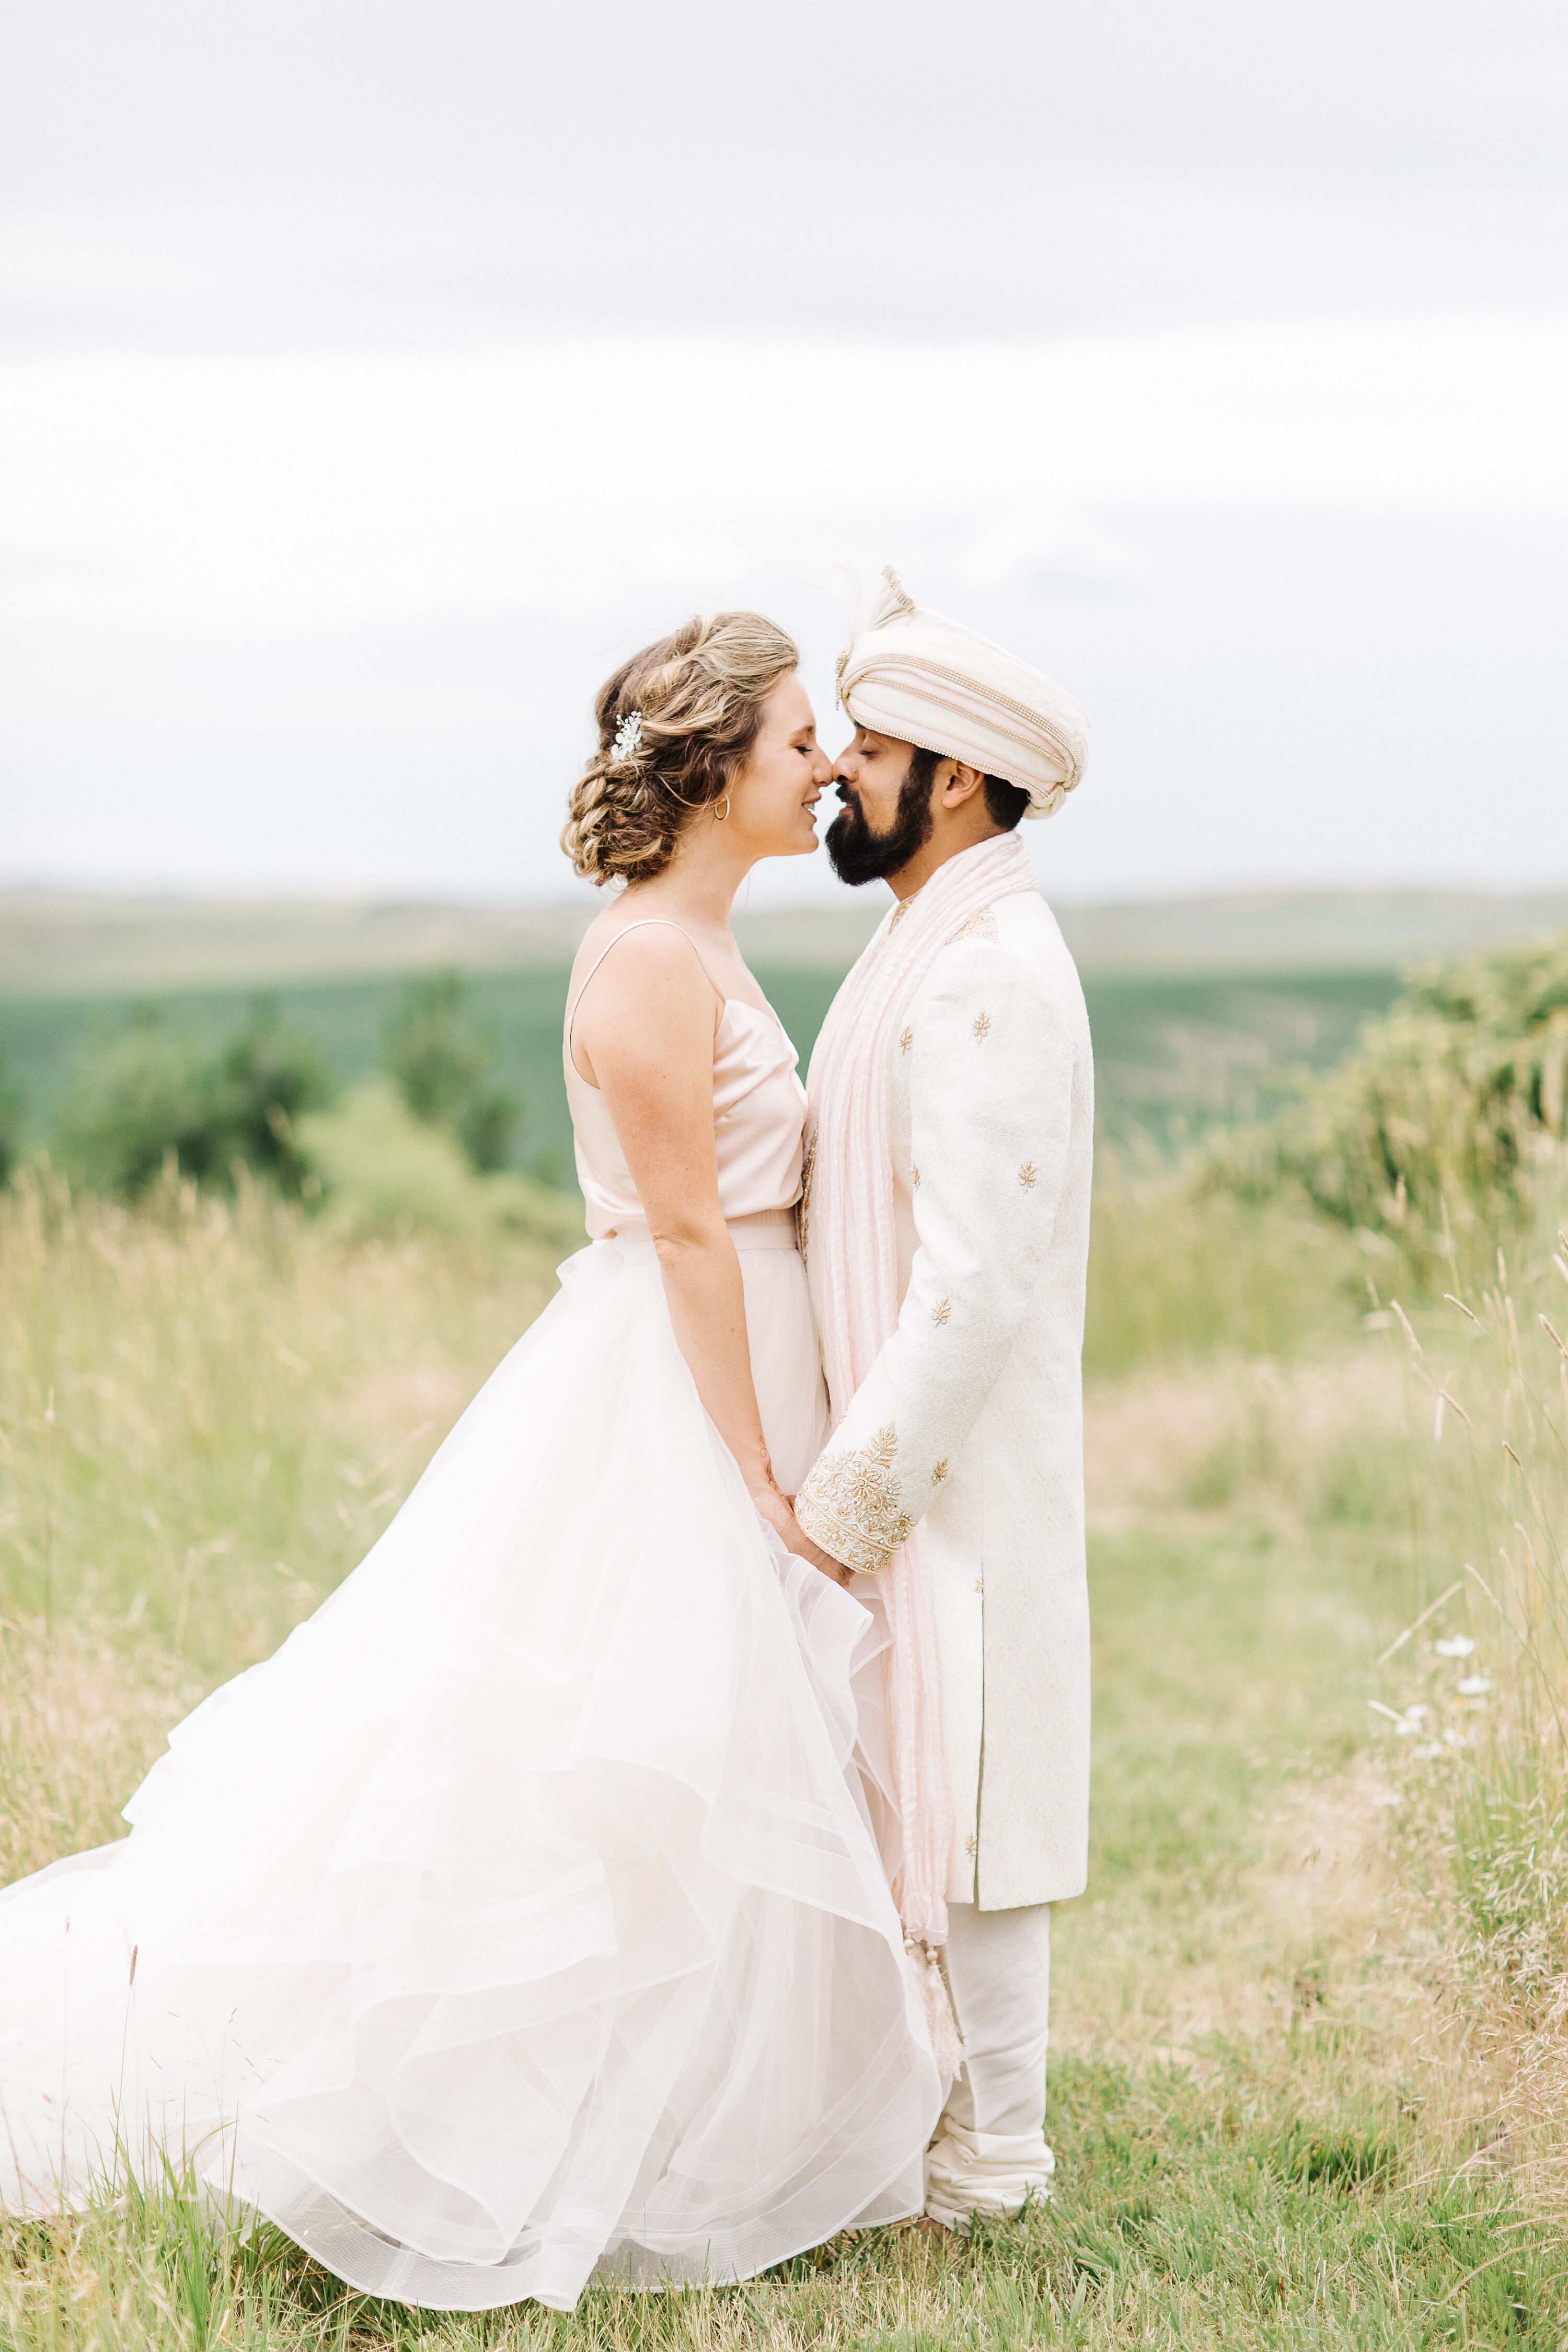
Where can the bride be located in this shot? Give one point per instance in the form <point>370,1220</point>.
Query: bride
<point>523,1920</point>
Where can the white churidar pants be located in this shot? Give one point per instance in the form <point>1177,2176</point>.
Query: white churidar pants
<point>989,2153</point>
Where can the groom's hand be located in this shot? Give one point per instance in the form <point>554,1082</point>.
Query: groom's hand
<point>799,1541</point>
<point>779,1512</point>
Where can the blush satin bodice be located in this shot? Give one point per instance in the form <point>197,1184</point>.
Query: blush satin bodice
<point>759,1117</point>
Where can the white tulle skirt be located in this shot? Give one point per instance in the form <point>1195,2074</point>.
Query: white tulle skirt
<point>522,1919</point>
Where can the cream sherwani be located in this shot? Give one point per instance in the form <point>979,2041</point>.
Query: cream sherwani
<point>970,1421</point>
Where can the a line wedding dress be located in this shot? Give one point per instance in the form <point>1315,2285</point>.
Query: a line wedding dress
<point>521,1920</point>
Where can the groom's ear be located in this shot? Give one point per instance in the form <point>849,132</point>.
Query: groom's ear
<point>962,785</point>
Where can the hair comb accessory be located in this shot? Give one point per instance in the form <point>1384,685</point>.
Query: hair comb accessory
<point>628,735</point>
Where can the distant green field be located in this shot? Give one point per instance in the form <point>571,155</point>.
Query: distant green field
<point>49,1042</point>
<point>1172,1052</point>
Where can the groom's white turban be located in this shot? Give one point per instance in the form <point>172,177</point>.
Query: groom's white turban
<point>921,679</point>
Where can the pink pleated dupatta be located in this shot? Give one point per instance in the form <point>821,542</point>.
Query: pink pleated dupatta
<point>853,1250</point>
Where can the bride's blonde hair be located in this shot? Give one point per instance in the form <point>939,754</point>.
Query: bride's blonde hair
<point>676,723</point>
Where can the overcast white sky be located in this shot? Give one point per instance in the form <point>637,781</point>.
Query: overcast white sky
<point>374,376</point>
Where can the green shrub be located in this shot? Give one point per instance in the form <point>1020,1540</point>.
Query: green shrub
<point>265,1080</point>
<point>441,1068</point>
<point>10,1122</point>
<point>152,1098</point>
<point>1439,1119</point>
<point>386,1173</point>
<point>486,1125</point>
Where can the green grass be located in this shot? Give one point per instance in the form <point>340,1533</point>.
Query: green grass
<point>1272,2190</point>
<point>1195,2220</point>
<point>1174,1273</point>
<point>1174,1052</point>
<point>1197,1726</point>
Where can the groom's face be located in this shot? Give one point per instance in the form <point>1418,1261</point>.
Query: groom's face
<point>886,815</point>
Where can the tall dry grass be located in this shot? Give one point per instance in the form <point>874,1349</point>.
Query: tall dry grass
<point>1179,1268</point>
<point>1475,1722</point>
<point>1434,1443</point>
<point>209,1408</point>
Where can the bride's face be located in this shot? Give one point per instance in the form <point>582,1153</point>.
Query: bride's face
<point>773,800</point>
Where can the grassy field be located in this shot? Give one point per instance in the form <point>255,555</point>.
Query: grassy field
<point>1173,1052</point>
<point>1277,2122</point>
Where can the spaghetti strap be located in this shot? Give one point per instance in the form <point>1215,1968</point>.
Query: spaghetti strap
<point>644,922</point>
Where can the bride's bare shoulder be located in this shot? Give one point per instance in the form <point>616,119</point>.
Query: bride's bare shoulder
<point>625,954</point>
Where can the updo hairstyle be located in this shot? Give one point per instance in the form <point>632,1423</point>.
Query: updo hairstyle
<point>684,713</point>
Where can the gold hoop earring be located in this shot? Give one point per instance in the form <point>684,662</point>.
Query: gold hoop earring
<point>722,809</point>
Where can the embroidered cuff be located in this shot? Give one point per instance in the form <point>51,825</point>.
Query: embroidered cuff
<point>849,1504</point>
<point>845,1545</point>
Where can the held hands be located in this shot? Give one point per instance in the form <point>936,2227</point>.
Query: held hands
<point>778,1510</point>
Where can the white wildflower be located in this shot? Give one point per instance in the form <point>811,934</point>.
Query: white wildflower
<point>1473,1685</point>
<point>1456,1645</point>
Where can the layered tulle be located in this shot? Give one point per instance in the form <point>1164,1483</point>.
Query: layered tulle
<point>522,1917</point>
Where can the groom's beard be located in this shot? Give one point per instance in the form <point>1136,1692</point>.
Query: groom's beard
<point>859,854</point>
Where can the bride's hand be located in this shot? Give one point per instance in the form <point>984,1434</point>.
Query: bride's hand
<point>778,1510</point>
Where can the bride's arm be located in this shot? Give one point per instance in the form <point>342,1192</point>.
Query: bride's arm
<point>644,1033</point>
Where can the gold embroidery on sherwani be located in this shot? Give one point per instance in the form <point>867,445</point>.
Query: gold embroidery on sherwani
<point>906,1039</point>
<point>981,926</point>
<point>1028,1175</point>
<point>941,1311</point>
<point>803,1207</point>
<point>914,1179</point>
<point>850,1504</point>
<point>981,1025</point>
<point>938,1471</point>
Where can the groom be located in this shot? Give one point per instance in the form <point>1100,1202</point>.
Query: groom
<point>945,1224</point>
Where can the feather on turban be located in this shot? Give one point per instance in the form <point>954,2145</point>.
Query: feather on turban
<point>923,679</point>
